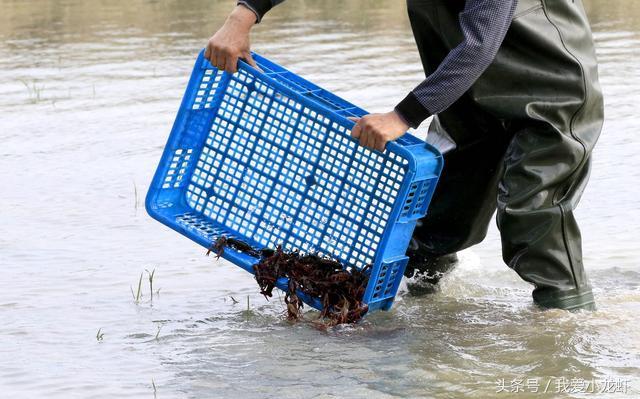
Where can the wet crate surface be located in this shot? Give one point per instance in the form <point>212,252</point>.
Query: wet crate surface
<point>266,157</point>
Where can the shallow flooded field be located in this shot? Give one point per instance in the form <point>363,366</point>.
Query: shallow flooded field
<point>88,94</point>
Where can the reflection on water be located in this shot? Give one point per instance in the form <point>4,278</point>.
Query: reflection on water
<point>88,92</point>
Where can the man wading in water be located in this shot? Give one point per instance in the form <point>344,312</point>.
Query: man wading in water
<point>515,85</point>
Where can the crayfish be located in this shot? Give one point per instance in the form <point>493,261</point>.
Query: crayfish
<point>339,289</point>
<point>219,245</point>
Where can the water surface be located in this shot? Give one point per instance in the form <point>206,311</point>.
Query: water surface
<point>88,93</point>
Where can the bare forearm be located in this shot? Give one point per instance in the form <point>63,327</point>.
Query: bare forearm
<point>231,41</point>
<point>242,17</point>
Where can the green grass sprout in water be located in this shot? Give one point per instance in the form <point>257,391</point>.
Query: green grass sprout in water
<point>99,335</point>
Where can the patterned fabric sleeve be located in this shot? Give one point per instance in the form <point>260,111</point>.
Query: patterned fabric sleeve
<point>484,24</point>
<point>259,7</point>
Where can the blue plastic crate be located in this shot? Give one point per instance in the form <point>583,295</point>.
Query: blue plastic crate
<point>267,158</point>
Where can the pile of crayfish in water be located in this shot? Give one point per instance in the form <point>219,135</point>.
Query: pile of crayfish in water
<point>340,290</point>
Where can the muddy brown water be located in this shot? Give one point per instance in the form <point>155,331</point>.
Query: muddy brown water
<point>88,93</point>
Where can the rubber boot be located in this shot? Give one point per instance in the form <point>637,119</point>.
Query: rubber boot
<point>524,133</point>
<point>425,270</point>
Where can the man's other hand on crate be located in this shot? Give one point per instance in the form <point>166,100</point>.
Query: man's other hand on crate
<point>231,42</point>
<point>375,130</point>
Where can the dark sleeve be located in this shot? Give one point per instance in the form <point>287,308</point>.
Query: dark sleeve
<point>484,24</point>
<point>259,7</point>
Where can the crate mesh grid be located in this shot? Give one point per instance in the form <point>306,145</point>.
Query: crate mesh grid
<point>250,158</point>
